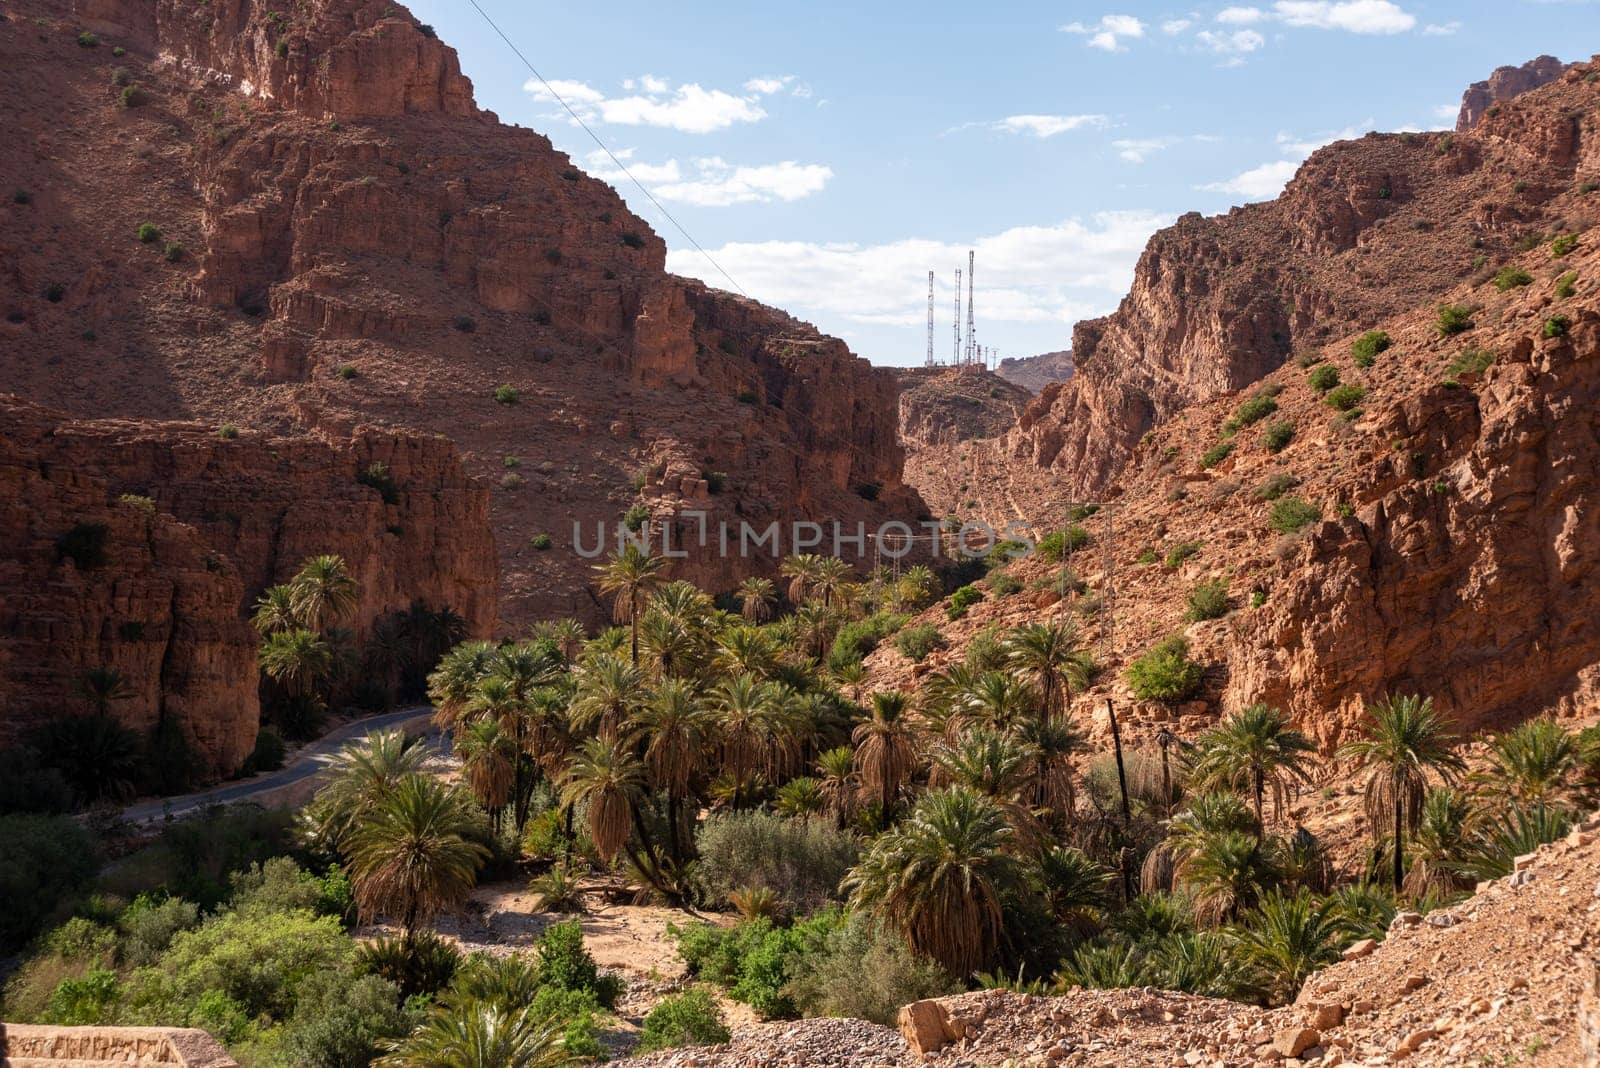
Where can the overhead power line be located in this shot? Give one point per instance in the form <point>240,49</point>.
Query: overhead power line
<point>604,148</point>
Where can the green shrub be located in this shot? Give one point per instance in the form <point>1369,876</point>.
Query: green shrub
<point>1309,359</point>
<point>691,1018</point>
<point>424,967</point>
<point>267,755</point>
<point>753,960</point>
<point>1567,285</point>
<point>1003,584</point>
<point>1208,600</point>
<point>44,862</point>
<point>859,637</point>
<point>376,476</point>
<point>1470,361</point>
<point>148,233</point>
<point>88,40</point>
<point>1181,552</point>
<point>632,239</point>
<point>864,971</point>
<point>347,372</point>
<point>1453,319</point>
<point>1290,514</point>
<point>1510,277</point>
<point>1059,544</point>
<point>227,431</point>
<point>512,481</point>
<point>799,860</point>
<point>1276,486</point>
<point>1323,377</point>
<point>1216,454</point>
<point>636,517</point>
<point>1365,348</point>
<point>564,963</point>
<point>121,77</point>
<point>149,926</point>
<point>748,396</point>
<point>133,97</point>
<point>1343,398</point>
<point>1563,245</point>
<point>465,323</point>
<point>1557,326</point>
<point>506,395</point>
<point>1251,411</point>
<point>541,542</point>
<point>340,1020</point>
<point>119,51</point>
<point>21,196</point>
<point>915,643</point>
<point>173,252</point>
<point>1277,436</point>
<point>1165,673</point>
<point>963,599</point>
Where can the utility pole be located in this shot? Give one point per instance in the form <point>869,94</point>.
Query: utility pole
<point>971,330</point>
<point>930,318</point>
<point>955,323</point>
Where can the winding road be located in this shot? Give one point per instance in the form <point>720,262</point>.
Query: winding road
<point>312,759</point>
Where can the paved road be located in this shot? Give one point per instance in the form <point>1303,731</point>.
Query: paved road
<point>310,760</point>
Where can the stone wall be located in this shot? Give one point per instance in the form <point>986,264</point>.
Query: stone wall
<point>29,1046</point>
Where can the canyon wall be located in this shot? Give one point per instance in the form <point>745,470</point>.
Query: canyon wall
<point>1366,229</point>
<point>140,547</point>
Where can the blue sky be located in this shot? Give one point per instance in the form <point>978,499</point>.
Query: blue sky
<point>829,154</point>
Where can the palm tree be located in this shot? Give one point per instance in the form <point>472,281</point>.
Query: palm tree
<point>1051,747</point>
<point>832,576</point>
<point>323,592</point>
<point>1519,830</point>
<point>669,644</point>
<point>416,852</point>
<point>628,576</point>
<point>275,611</point>
<point>744,723</point>
<point>488,763</point>
<point>815,626</point>
<point>885,749</point>
<point>1255,750</point>
<point>360,777</point>
<point>102,686</point>
<point>1533,762</point>
<point>742,650</point>
<point>801,571</point>
<point>1223,875</point>
<point>609,689</point>
<point>1049,653</point>
<point>851,673</point>
<point>939,878</point>
<point>675,727</point>
<point>839,783</point>
<point>97,756</point>
<point>1406,742</point>
<point>455,681</point>
<point>756,596</point>
<point>606,774</point>
<point>569,636</point>
<point>1440,845</point>
<point>478,1034</point>
<point>1076,888</point>
<point>996,699</point>
<point>298,660</point>
<point>799,797</point>
<point>917,587</point>
<point>1285,939</point>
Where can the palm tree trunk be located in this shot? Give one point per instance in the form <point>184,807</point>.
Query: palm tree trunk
<point>633,620</point>
<point>673,837</point>
<point>1399,844</point>
<point>1261,825</point>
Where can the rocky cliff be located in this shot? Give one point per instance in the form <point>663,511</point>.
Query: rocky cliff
<point>1505,83</point>
<point>352,242</point>
<point>141,546</point>
<point>1033,373</point>
<point>1365,230</point>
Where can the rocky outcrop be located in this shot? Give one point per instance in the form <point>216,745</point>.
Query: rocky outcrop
<point>1033,373</point>
<point>143,546</point>
<point>1367,229</point>
<point>1505,83</point>
<point>358,245</point>
<point>944,405</point>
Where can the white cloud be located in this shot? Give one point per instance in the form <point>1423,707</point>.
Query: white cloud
<point>1231,43</point>
<point>1109,33</point>
<point>689,108</point>
<point>1354,16</point>
<point>1139,149</point>
<point>767,86</point>
<point>1030,274</point>
<point>1173,27</point>
<point>1046,125</point>
<point>1240,16</point>
<point>1257,183</point>
<point>1446,112</point>
<point>715,183</point>
<point>1441,29</point>
<point>1301,147</point>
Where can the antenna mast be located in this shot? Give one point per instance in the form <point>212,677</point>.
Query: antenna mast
<point>930,318</point>
<point>971,331</point>
<point>955,324</point>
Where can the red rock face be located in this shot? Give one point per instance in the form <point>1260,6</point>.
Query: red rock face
<point>1367,229</point>
<point>1505,83</point>
<point>361,246</point>
<point>168,607</point>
